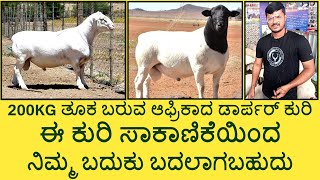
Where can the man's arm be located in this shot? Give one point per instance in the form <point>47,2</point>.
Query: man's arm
<point>305,75</point>
<point>257,65</point>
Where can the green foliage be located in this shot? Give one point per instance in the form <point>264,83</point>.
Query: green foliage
<point>118,20</point>
<point>96,6</point>
<point>56,7</point>
<point>8,4</point>
<point>264,33</point>
<point>14,6</point>
<point>133,43</point>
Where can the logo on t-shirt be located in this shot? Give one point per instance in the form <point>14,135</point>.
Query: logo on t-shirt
<point>275,56</point>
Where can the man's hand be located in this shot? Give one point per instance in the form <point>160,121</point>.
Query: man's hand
<point>251,93</point>
<point>280,92</point>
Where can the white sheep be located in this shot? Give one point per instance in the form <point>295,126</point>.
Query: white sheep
<point>306,90</point>
<point>258,88</point>
<point>52,49</point>
<point>249,63</point>
<point>183,54</point>
<point>251,53</point>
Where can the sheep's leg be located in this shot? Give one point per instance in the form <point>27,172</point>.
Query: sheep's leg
<point>17,77</point>
<point>146,84</point>
<point>216,79</point>
<point>82,76</point>
<point>139,80</point>
<point>199,78</point>
<point>77,70</point>
<point>154,75</point>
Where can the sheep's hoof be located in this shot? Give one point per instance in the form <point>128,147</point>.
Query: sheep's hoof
<point>15,84</point>
<point>24,88</point>
<point>82,87</point>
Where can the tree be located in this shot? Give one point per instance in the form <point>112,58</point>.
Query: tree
<point>97,6</point>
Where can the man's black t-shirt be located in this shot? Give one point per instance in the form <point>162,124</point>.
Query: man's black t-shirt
<point>281,61</point>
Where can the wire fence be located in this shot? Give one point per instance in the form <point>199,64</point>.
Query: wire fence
<point>107,65</point>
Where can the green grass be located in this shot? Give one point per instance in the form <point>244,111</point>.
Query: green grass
<point>118,20</point>
<point>133,43</point>
<point>57,23</point>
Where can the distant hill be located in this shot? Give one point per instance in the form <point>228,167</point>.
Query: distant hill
<point>137,9</point>
<point>190,8</point>
<point>187,11</point>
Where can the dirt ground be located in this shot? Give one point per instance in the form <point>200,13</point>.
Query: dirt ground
<point>54,83</point>
<point>230,82</point>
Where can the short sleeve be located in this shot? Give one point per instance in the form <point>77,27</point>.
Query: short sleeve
<point>304,49</point>
<point>259,53</point>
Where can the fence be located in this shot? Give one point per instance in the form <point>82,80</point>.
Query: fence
<point>107,64</point>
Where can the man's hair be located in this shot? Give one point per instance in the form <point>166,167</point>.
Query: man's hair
<point>275,6</point>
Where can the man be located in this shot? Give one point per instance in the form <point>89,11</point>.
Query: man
<point>280,53</point>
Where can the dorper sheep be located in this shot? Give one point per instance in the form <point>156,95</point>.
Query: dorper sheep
<point>183,54</point>
<point>52,49</point>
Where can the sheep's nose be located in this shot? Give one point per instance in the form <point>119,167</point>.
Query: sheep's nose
<point>219,24</point>
<point>111,27</point>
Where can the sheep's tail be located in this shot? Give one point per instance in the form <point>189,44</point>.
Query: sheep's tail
<point>145,51</point>
<point>14,46</point>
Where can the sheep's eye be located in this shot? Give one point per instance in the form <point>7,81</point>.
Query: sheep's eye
<point>103,20</point>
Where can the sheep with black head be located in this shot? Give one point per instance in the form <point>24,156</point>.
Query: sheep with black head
<point>180,54</point>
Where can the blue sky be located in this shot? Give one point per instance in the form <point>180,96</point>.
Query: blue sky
<point>156,6</point>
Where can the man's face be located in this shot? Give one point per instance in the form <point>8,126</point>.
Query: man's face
<point>276,21</point>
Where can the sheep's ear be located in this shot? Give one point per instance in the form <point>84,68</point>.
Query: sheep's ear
<point>98,13</point>
<point>234,13</point>
<point>206,13</point>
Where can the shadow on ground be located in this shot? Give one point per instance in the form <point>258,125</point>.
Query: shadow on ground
<point>47,86</point>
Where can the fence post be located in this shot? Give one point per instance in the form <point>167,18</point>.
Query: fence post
<point>3,19</point>
<point>52,20</point>
<point>23,17</point>
<point>17,18</point>
<point>44,13</point>
<point>28,19</point>
<point>35,16</point>
<point>7,21</point>
<point>111,44</point>
<point>80,13</point>
<point>91,59</point>
<point>11,21</point>
<point>63,15</point>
